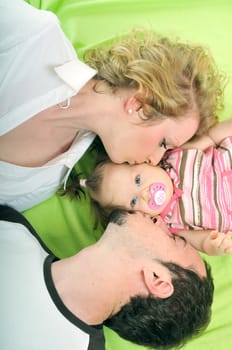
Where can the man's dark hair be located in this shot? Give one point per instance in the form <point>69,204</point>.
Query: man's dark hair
<point>167,323</point>
<point>119,216</point>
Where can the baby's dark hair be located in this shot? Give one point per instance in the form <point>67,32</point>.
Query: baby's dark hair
<point>94,182</point>
<point>77,187</point>
<point>73,188</point>
<point>76,184</point>
<point>94,186</point>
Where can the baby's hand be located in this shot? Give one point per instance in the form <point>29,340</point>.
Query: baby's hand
<point>218,243</point>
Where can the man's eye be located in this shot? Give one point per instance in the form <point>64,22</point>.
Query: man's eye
<point>137,180</point>
<point>133,202</point>
<point>163,144</point>
<point>183,239</point>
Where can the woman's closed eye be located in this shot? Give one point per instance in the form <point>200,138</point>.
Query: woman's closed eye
<point>163,144</point>
<point>166,146</point>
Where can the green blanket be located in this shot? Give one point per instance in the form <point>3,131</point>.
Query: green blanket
<point>66,226</point>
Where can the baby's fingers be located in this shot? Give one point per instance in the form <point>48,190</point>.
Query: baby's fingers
<point>228,250</point>
<point>222,241</point>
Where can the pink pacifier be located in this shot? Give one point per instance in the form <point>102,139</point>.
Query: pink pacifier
<point>158,196</point>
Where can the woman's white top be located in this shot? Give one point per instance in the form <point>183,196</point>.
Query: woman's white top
<point>39,68</point>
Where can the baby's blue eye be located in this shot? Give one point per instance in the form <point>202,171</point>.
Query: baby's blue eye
<point>133,202</point>
<point>137,180</point>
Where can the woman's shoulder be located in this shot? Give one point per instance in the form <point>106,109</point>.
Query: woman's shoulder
<point>19,21</point>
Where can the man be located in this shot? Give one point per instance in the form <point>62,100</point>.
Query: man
<point>149,286</point>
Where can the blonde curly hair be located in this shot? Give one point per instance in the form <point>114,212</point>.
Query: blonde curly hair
<point>169,76</point>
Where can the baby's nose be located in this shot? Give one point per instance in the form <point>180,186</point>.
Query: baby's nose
<point>145,194</point>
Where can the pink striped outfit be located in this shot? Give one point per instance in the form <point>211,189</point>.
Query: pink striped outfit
<point>202,183</point>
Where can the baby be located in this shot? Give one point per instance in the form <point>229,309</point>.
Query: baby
<point>191,189</point>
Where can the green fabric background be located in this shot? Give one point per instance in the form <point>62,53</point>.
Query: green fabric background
<point>66,226</point>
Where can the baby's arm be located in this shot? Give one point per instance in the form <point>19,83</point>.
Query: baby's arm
<point>214,136</point>
<point>217,243</point>
<point>201,142</point>
<point>209,242</point>
<point>220,131</point>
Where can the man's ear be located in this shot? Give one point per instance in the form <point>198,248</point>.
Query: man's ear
<point>158,282</point>
<point>132,105</point>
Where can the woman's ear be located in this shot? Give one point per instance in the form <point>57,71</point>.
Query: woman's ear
<point>132,105</point>
<point>158,282</point>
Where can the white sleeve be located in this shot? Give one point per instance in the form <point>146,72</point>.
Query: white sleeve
<point>32,43</point>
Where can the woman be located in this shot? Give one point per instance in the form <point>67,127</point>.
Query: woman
<point>141,96</point>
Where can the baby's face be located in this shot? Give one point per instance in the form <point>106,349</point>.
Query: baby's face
<point>140,187</point>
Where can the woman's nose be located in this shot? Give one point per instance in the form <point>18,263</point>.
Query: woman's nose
<point>154,159</point>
